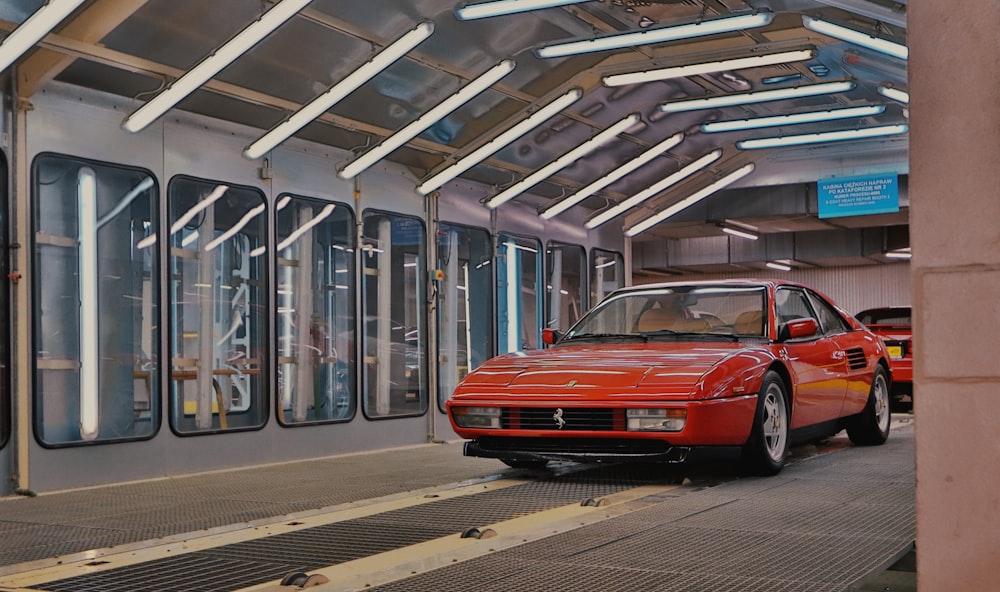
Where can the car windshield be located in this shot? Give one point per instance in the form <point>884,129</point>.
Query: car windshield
<point>885,316</point>
<point>679,310</point>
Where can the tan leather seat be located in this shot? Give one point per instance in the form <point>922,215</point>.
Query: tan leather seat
<point>656,319</point>
<point>750,322</point>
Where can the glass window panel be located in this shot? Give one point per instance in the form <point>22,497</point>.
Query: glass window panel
<point>465,304</point>
<point>607,273</point>
<point>315,298</point>
<point>519,293</point>
<point>218,325</point>
<point>95,294</point>
<point>394,263</point>
<point>829,319</point>
<point>566,284</point>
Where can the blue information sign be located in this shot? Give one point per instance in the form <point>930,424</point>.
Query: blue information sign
<point>857,196</point>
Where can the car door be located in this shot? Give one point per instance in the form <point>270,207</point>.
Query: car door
<point>817,362</point>
<point>857,374</point>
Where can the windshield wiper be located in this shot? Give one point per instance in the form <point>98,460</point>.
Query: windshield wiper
<point>605,336</point>
<point>672,333</point>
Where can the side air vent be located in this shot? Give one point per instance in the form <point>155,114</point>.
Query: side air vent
<point>856,359</point>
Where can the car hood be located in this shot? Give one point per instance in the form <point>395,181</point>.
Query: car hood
<point>666,368</point>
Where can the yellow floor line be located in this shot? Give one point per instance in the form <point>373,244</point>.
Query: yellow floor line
<point>77,564</point>
<point>402,563</point>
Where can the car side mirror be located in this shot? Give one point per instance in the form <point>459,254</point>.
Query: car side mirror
<point>550,336</point>
<point>798,329</point>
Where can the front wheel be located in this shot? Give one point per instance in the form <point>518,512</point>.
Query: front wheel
<point>871,426</point>
<point>766,452</point>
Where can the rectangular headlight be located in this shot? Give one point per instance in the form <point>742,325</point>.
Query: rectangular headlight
<point>656,420</point>
<point>476,417</point>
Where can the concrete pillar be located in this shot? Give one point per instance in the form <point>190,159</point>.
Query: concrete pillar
<point>954,86</point>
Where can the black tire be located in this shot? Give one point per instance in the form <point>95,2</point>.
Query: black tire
<point>766,452</point>
<point>524,464</point>
<point>871,426</point>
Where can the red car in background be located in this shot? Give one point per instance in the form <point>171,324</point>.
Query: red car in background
<point>894,325</point>
<point>665,372</point>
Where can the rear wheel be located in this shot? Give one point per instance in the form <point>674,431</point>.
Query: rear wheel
<point>766,452</point>
<point>871,426</point>
<point>524,464</point>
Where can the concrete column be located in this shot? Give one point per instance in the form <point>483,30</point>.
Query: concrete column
<point>954,72</point>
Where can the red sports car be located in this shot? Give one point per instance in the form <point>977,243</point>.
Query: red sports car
<point>666,372</point>
<point>895,326</point>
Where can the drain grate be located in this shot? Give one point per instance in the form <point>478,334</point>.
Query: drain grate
<point>253,562</point>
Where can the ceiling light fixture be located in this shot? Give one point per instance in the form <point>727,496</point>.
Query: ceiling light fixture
<point>654,189</point>
<point>418,126</point>
<point>213,64</point>
<point>755,61</point>
<point>778,265</point>
<point>468,12</point>
<point>690,200</point>
<point>878,44</point>
<point>613,176</point>
<point>791,119</point>
<point>817,138</point>
<point>657,35</point>
<point>758,96</point>
<point>500,141</point>
<point>379,62</point>
<point>896,94</point>
<point>31,31</point>
<point>563,161</point>
<point>740,232</point>
<point>892,13</point>
<point>899,254</point>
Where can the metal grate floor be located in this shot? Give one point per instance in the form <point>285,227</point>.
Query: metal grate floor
<point>819,526</point>
<point>248,563</point>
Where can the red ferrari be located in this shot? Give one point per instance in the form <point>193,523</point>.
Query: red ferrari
<point>894,325</point>
<point>669,372</point>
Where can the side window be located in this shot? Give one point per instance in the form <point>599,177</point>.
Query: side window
<point>829,319</point>
<point>95,292</point>
<point>315,306</point>
<point>394,263</point>
<point>519,293</point>
<point>217,304</point>
<point>792,304</point>
<point>566,284</point>
<point>607,273</point>
<point>464,305</point>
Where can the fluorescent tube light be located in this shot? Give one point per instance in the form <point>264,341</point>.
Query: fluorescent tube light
<point>215,242</point>
<point>321,104</point>
<point>896,94</point>
<point>756,61</point>
<point>89,340</point>
<point>499,142</point>
<point>31,31</point>
<point>778,266</point>
<point>835,136</point>
<point>690,200</point>
<point>563,161</point>
<point>213,64</point>
<point>739,232</point>
<point>872,10</point>
<point>298,232</point>
<point>210,199</point>
<point>791,119</point>
<point>657,35</point>
<point>654,189</point>
<point>439,111</point>
<point>758,96</point>
<point>904,253</point>
<point>856,37</point>
<point>468,12</point>
<point>613,176</point>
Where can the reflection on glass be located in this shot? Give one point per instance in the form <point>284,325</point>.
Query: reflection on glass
<point>95,294</point>
<point>465,304</point>
<point>394,263</point>
<point>217,303</point>
<point>566,286</point>
<point>315,320</point>
<point>519,294</point>
<point>607,273</point>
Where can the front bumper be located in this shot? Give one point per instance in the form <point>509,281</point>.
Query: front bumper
<point>590,450</point>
